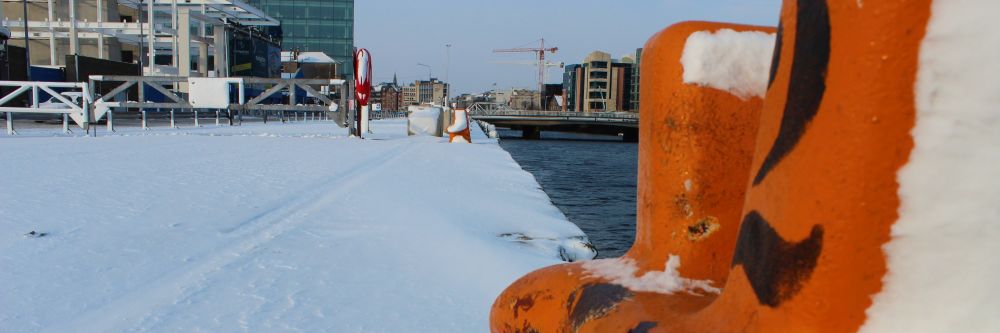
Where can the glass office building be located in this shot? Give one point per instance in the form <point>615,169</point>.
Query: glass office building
<point>316,25</point>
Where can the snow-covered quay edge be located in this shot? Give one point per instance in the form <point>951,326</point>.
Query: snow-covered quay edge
<point>266,228</point>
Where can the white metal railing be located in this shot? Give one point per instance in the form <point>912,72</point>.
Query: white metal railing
<point>60,102</point>
<point>85,106</point>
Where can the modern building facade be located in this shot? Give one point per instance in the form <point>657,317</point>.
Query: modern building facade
<point>601,84</point>
<point>636,70</point>
<point>573,89</point>
<point>316,26</point>
<point>597,78</point>
<point>188,39</point>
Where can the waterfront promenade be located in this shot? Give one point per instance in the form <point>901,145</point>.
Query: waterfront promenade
<point>279,227</point>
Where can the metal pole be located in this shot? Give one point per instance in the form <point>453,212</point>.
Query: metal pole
<point>152,39</point>
<point>447,69</point>
<point>144,125</point>
<point>172,123</point>
<point>52,36</point>
<point>65,123</point>
<point>173,26</point>
<point>142,38</point>
<point>74,37</point>
<point>430,75</point>
<point>27,58</point>
<point>10,123</point>
<point>111,121</point>
<point>100,36</point>
<point>196,119</point>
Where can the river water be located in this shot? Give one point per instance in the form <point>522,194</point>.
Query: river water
<point>591,178</point>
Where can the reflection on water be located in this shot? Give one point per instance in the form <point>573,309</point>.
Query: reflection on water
<point>591,178</point>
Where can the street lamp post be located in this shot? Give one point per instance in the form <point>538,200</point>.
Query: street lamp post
<point>447,81</point>
<point>430,73</point>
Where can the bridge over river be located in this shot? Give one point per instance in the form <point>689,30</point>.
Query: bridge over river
<point>531,122</point>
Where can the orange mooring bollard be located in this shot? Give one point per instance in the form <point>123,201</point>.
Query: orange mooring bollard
<point>695,147</point>
<point>777,223</point>
<point>459,131</point>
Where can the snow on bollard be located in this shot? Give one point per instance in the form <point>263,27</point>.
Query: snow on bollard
<point>459,131</point>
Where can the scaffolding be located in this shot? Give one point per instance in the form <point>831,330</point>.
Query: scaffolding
<point>160,24</point>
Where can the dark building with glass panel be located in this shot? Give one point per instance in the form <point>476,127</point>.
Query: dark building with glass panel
<point>316,25</point>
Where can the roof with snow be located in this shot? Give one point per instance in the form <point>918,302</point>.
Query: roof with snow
<point>309,57</point>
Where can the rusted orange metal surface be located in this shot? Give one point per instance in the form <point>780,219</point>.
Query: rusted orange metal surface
<point>784,204</point>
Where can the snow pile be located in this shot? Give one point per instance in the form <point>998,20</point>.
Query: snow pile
<point>942,259</point>
<point>279,227</point>
<point>622,271</point>
<point>425,120</point>
<point>737,62</point>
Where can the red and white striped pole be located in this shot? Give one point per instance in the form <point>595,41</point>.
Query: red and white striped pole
<point>362,88</point>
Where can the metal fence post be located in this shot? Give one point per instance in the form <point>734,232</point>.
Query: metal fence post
<point>10,123</point>
<point>172,123</point>
<point>111,121</point>
<point>144,125</point>
<point>196,118</point>
<point>216,117</point>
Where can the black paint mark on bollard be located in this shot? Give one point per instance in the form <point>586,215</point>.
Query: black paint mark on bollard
<point>776,268</point>
<point>643,327</point>
<point>596,301</point>
<point>807,83</point>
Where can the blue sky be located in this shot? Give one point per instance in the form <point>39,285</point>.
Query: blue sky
<point>401,33</point>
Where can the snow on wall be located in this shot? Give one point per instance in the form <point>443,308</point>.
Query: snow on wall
<point>942,259</point>
<point>425,120</point>
<point>737,62</point>
<point>623,271</point>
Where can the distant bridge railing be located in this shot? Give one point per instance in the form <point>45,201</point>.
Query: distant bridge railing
<point>549,118</point>
<point>558,114</point>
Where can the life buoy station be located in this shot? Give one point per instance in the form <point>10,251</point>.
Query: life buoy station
<point>306,166</point>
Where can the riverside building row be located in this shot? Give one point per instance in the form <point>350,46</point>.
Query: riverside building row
<point>391,96</point>
<point>178,38</point>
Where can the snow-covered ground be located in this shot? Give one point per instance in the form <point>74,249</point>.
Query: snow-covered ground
<point>292,227</point>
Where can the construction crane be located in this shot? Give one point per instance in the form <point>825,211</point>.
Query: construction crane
<point>542,65</point>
